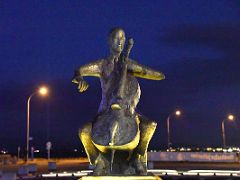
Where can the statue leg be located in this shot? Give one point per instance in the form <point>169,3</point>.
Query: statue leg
<point>85,136</point>
<point>95,157</point>
<point>147,129</point>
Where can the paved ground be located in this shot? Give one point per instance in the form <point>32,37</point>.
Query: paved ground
<point>78,164</point>
<point>196,165</point>
<point>68,164</point>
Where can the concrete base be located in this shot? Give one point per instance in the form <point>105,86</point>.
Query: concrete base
<point>120,178</point>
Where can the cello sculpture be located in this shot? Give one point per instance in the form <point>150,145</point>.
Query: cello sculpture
<point>116,140</point>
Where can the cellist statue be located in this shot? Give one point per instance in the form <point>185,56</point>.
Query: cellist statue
<point>116,140</point>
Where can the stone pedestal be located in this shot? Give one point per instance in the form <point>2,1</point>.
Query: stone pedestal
<point>120,178</point>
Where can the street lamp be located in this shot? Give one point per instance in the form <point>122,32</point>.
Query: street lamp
<point>43,91</point>
<point>230,118</point>
<point>176,113</point>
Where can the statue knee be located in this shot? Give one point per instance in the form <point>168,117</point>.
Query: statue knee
<point>85,131</point>
<point>147,125</point>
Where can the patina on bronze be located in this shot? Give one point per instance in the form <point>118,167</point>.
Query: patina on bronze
<point>116,140</point>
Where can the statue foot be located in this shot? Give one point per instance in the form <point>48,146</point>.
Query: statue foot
<point>129,171</point>
<point>102,166</point>
<point>140,165</point>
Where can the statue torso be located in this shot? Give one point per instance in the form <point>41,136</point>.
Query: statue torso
<point>109,79</point>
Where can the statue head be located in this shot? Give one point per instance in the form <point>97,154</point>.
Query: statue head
<point>116,40</point>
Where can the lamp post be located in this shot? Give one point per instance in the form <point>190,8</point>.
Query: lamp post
<point>43,91</point>
<point>177,113</point>
<point>230,118</point>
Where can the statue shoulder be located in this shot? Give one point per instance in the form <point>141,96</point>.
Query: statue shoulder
<point>95,64</point>
<point>133,64</point>
<point>132,61</point>
<point>98,62</point>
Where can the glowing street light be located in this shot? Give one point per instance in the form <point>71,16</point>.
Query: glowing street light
<point>43,91</point>
<point>229,118</point>
<point>177,113</point>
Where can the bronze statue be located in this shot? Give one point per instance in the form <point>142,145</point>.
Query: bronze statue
<point>116,141</point>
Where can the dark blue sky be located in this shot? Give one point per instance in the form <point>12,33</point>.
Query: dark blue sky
<point>195,43</point>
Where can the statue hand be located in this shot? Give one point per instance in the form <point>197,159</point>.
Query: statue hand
<point>82,86</point>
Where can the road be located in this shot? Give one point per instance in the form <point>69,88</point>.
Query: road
<point>74,168</point>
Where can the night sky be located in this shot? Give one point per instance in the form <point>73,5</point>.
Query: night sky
<point>196,44</point>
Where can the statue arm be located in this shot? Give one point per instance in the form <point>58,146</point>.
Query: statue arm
<point>141,71</point>
<point>91,69</point>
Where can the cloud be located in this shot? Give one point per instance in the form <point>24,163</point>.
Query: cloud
<point>197,72</point>
<point>224,37</point>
